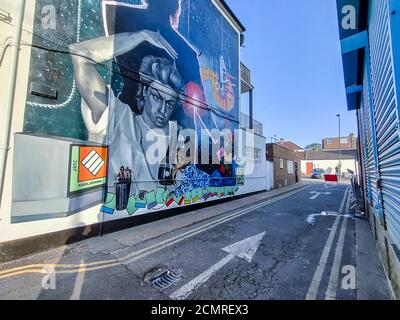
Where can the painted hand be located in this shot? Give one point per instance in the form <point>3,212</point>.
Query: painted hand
<point>158,41</point>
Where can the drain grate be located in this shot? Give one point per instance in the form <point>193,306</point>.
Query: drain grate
<point>163,279</point>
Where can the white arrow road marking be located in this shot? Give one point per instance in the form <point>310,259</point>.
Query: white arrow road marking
<point>330,186</point>
<point>245,249</point>
<point>317,194</point>
<point>311,217</point>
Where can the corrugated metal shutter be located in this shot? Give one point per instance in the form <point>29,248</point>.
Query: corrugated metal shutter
<point>364,150</point>
<point>386,118</point>
<point>368,148</point>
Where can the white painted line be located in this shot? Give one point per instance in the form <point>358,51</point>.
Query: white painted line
<point>348,201</point>
<point>245,249</point>
<point>80,277</point>
<point>343,201</point>
<point>311,218</point>
<point>316,281</point>
<point>139,254</point>
<point>334,276</point>
<point>187,289</point>
<point>317,194</point>
<point>174,240</point>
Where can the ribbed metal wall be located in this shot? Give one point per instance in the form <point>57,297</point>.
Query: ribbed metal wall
<point>367,144</point>
<point>386,117</point>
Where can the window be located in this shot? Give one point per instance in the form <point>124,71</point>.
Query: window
<point>254,154</point>
<point>290,166</point>
<point>329,141</point>
<point>257,155</point>
<point>281,163</point>
<point>344,141</point>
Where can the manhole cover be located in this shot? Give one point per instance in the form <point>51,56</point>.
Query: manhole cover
<point>162,279</point>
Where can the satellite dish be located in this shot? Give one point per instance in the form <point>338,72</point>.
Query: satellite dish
<point>242,40</point>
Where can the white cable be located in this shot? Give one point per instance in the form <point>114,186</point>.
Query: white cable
<point>6,43</point>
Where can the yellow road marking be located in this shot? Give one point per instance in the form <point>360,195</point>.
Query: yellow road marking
<point>39,268</point>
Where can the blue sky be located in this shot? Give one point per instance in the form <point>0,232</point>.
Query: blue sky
<point>293,50</point>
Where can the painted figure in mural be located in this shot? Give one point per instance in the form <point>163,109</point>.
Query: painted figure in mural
<point>111,121</point>
<point>159,16</point>
<point>144,42</point>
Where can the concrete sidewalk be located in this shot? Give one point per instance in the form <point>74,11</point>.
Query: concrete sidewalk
<point>372,282</point>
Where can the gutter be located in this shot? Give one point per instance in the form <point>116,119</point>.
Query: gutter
<point>8,110</point>
<point>232,15</point>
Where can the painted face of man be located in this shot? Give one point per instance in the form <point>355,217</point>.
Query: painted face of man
<point>160,104</point>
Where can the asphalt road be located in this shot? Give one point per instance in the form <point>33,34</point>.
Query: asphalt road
<point>292,247</point>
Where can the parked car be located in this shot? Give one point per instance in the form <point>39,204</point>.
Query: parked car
<point>318,174</point>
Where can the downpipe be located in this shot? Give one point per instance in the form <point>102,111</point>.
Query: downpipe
<point>8,110</point>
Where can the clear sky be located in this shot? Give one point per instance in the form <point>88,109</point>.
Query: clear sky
<point>292,48</point>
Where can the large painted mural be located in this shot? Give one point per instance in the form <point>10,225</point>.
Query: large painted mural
<point>142,97</point>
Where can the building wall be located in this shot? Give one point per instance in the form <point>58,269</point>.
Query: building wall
<point>256,168</point>
<point>380,136</point>
<point>278,154</point>
<point>46,187</point>
<point>378,118</point>
<point>333,143</point>
<point>326,164</point>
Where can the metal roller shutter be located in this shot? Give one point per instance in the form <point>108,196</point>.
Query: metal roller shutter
<point>386,117</point>
<point>373,165</point>
<point>369,165</point>
<point>364,149</point>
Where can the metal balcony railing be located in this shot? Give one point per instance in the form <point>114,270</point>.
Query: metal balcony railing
<point>245,73</point>
<point>245,124</point>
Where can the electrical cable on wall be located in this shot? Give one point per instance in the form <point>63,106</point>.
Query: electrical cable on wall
<point>131,74</point>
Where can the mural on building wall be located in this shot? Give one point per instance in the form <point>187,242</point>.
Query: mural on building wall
<point>123,77</point>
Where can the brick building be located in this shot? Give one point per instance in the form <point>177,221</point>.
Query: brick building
<point>346,143</point>
<point>286,168</point>
<point>290,145</point>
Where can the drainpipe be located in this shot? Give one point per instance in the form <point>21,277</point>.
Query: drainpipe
<point>8,110</point>
<point>251,124</point>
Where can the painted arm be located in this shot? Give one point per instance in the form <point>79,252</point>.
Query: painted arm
<point>86,55</point>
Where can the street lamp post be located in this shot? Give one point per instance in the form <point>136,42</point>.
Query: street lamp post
<point>340,149</point>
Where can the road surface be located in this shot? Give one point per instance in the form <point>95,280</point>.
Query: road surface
<point>299,245</point>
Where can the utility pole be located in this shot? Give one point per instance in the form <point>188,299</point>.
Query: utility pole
<point>340,149</point>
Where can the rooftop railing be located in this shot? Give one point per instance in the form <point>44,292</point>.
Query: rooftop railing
<point>257,126</point>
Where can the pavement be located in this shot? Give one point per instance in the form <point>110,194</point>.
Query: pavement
<point>303,242</point>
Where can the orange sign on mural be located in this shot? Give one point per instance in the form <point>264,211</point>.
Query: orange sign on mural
<point>92,163</point>
<point>88,168</point>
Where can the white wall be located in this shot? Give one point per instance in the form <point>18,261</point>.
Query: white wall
<point>325,164</point>
<point>256,174</point>
<point>256,180</point>
<point>270,175</point>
